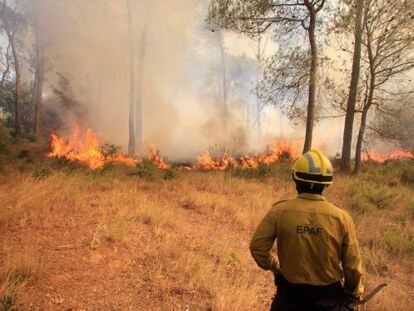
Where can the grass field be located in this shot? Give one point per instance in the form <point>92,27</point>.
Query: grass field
<point>73,239</point>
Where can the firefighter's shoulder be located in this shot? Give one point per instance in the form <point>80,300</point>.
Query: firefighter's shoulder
<point>278,203</point>
<point>343,210</point>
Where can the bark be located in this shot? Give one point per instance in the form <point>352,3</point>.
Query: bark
<point>132,94</point>
<point>10,35</point>
<point>367,104</point>
<point>353,88</point>
<point>360,140</point>
<point>258,102</point>
<point>310,119</point>
<point>39,82</point>
<point>225,108</point>
<point>140,81</point>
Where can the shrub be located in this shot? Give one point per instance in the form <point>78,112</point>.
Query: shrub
<point>396,244</point>
<point>5,139</point>
<point>41,173</point>
<point>8,303</point>
<point>280,169</point>
<point>368,196</point>
<point>62,163</point>
<point>147,169</point>
<point>171,173</point>
<point>407,174</point>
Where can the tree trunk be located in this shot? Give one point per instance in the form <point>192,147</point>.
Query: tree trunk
<point>225,108</point>
<point>132,94</point>
<point>367,105</point>
<point>360,140</point>
<point>10,35</point>
<point>39,82</point>
<point>258,102</point>
<point>140,81</point>
<point>353,88</point>
<point>310,119</point>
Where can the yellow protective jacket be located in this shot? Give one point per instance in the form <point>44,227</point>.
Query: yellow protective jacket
<point>316,243</point>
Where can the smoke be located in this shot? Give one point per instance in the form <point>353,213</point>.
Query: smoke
<point>86,41</point>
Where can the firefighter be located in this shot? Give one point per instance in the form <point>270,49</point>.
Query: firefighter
<point>319,264</point>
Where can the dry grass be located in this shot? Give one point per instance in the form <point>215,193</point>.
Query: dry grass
<point>115,241</point>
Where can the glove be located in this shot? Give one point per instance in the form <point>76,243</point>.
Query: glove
<point>351,302</point>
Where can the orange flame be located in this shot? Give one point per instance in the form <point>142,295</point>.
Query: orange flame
<point>281,149</point>
<point>157,159</point>
<point>87,150</point>
<point>207,162</point>
<point>395,155</point>
<point>84,150</point>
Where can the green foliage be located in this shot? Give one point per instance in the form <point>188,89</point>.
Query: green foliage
<point>7,104</point>
<point>5,138</point>
<point>407,173</point>
<point>62,163</point>
<point>392,172</point>
<point>148,170</point>
<point>280,170</point>
<point>368,196</point>
<point>397,244</point>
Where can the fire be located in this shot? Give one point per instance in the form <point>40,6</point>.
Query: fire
<point>207,162</point>
<point>281,149</point>
<point>157,159</point>
<point>395,155</point>
<point>87,150</point>
<point>82,149</point>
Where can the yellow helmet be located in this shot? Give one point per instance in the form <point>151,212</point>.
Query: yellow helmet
<point>313,167</point>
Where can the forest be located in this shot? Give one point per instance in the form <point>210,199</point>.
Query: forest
<point>141,143</point>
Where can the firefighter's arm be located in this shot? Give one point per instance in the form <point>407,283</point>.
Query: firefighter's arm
<point>262,243</point>
<point>351,261</point>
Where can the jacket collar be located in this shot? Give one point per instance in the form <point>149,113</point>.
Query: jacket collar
<point>311,196</point>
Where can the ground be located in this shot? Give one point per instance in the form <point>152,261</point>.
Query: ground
<point>75,239</point>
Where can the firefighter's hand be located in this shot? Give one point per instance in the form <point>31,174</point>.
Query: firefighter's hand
<point>351,302</point>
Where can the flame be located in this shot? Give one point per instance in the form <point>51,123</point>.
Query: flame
<point>157,159</point>
<point>395,155</point>
<point>207,162</point>
<point>86,149</point>
<point>280,149</point>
